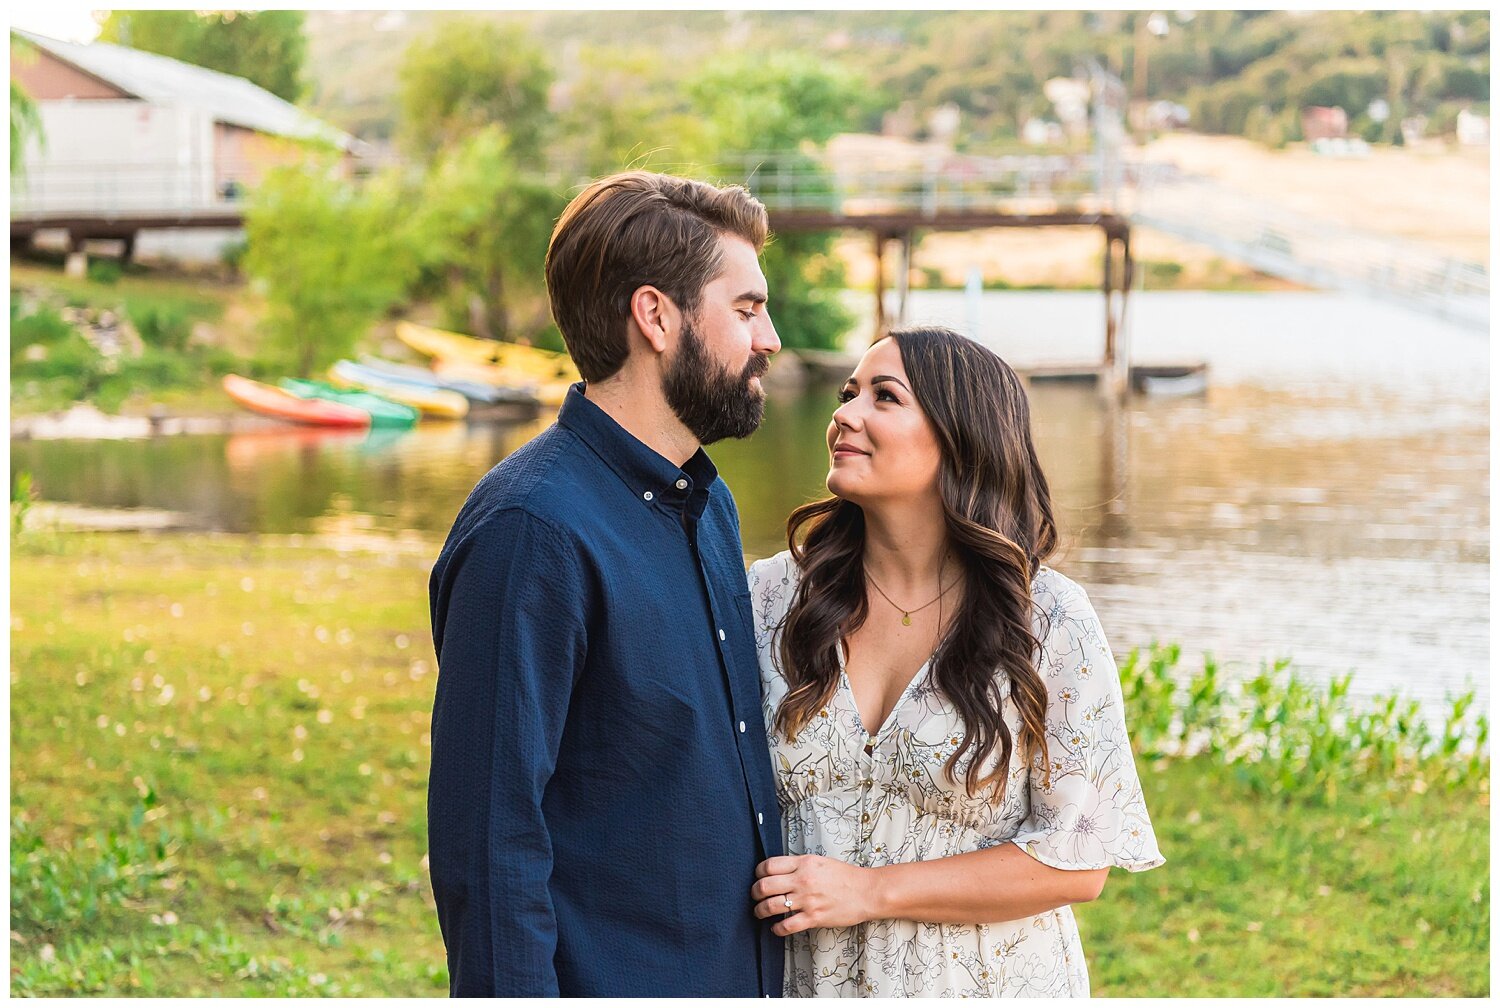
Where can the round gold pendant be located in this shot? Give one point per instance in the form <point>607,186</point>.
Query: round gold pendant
<point>906,619</point>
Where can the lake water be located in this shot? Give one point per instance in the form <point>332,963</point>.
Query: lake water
<point>1327,500</point>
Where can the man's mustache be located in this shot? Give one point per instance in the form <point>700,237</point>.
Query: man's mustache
<point>757,366</point>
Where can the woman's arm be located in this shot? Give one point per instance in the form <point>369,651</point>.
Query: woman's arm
<point>998,884</point>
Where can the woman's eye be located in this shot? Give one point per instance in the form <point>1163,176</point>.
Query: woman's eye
<point>845,396</point>
<point>889,396</point>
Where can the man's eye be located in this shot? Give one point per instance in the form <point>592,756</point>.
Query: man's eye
<point>747,315</point>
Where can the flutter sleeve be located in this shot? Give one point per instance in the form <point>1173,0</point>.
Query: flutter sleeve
<point>1091,813</point>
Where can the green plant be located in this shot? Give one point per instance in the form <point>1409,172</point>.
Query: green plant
<point>1282,736</point>
<point>105,271</point>
<point>22,495</point>
<point>163,324</point>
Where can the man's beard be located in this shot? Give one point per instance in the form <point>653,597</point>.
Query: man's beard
<point>711,401</point>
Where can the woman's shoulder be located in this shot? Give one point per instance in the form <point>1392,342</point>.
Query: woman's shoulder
<point>778,569</point>
<point>1058,595</point>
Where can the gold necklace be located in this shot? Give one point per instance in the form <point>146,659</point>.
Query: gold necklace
<point>906,613</point>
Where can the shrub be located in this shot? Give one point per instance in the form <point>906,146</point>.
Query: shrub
<point>162,324</point>
<point>44,326</point>
<point>105,271</point>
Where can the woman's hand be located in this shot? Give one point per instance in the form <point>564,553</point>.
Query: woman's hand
<point>824,892</point>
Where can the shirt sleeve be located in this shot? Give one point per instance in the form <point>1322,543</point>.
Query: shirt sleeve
<point>1092,812</point>
<point>508,610</point>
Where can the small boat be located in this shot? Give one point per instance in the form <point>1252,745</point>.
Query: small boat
<point>1169,379</point>
<point>383,412</point>
<point>537,364</point>
<point>827,366</point>
<point>271,401</point>
<point>475,392</point>
<point>549,392</point>
<point>431,401</point>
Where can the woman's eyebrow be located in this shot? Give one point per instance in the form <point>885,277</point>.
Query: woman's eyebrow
<point>885,377</point>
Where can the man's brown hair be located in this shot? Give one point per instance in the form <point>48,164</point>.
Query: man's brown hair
<point>630,230</point>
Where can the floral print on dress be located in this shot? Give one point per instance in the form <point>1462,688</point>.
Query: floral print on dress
<point>895,804</point>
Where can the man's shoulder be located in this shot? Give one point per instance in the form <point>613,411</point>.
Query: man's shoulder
<point>537,483</point>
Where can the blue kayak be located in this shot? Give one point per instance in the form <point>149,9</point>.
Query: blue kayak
<point>423,378</point>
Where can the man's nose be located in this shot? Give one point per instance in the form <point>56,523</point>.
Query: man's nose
<point>766,340</point>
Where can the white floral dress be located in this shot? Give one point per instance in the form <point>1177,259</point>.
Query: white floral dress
<point>897,805</point>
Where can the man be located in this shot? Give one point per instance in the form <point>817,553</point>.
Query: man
<point>601,786</point>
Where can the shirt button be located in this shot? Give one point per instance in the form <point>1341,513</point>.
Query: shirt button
<point>647,495</point>
<point>742,727</point>
<point>760,819</point>
<point>682,484</point>
<point>721,635</point>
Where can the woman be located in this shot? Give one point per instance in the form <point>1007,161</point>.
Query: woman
<point>944,712</point>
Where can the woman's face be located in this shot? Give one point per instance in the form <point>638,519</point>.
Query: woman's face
<point>882,446</point>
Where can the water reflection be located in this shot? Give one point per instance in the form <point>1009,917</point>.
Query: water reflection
<point>1344,523</point>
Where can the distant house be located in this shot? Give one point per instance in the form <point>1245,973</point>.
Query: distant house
<point>127,133</point>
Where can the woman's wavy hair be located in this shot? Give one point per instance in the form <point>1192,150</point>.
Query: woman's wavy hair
<point>999,515</point>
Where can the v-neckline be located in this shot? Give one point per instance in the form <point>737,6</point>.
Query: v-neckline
<point>859,719</point>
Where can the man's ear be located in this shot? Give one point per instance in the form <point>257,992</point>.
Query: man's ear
<point>655,315</point>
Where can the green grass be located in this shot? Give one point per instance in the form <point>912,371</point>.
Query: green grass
<point>218,773</point>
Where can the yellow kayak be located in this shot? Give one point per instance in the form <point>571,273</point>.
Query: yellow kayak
<point>547,392</point>
<point>432,402</point>
<point>536,365</point>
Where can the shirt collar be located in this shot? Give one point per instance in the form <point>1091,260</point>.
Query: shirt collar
<point>649,476</point>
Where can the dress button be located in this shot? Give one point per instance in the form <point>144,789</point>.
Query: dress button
<point>682,484</point>
<point>721,635</point>
<point>742,727</point>
<point>647,495</point>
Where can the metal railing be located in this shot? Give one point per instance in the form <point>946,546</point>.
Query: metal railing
<point>116,188</point>
<point>949,183</point>
<point>1313,250</point>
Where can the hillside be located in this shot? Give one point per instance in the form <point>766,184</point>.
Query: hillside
<point>1237,72</point>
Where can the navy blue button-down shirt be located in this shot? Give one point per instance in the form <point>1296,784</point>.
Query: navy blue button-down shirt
<point>601,786</point>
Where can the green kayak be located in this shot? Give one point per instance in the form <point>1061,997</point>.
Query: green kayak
<point>383,412</point>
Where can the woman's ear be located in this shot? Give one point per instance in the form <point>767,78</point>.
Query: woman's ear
<point>654,315</point>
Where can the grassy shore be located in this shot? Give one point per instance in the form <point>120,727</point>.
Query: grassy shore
<point>219,755</point>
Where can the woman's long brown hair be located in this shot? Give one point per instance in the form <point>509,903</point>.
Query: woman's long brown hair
<point>999,515</point>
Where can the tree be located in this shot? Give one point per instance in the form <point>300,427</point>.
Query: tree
<point>778,103</point>
<point>483,230</point>
<point>328,258</point>
<point>25,120</point>
<point>265,47</point>
<point>470,73</point>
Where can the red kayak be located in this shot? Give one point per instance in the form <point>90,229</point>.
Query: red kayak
<point>273,402</point>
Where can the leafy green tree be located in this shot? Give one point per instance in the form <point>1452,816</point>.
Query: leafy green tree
<point>779,103</point>
<point>265,47</point>
<point>327,256</point>
<point>25,120</point>
<point>467,74</point>
<point>482,232</point>
<point>627,110</point>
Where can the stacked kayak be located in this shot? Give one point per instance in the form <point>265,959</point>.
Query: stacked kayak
<point>492,362</point>
<point>268,400</point>
<point>383,412</point>
<point>437,402</point>
<point>544,365</point>
<point>476,392</point>
<point>549,393</point>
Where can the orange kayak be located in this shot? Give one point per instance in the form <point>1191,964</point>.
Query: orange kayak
<point>274,402</point>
